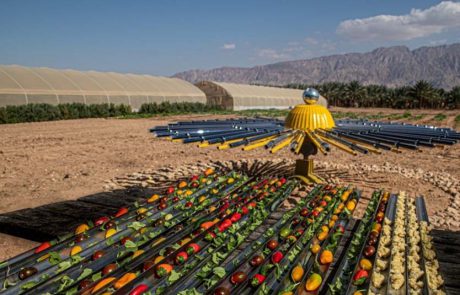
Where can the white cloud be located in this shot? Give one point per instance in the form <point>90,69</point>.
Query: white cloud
<point>272,54</point>
<point>229,46</point>
<point>297,50</point>
<point>438,42</point>
<point>311,41</point>
<point>418,23</point>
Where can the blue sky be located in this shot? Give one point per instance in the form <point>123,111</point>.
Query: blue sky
<point>165,37</point>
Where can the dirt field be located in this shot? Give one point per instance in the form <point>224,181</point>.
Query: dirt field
<point>48,162</point>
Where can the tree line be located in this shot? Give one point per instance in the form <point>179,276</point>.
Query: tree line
<point>46,112</point>
<point>421,95</point>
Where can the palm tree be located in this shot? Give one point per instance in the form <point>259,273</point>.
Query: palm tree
<point>329,91</point>
<point>354,93</point>
<point>423,92</point>
<point>454,97</point>
<point>376,95</point>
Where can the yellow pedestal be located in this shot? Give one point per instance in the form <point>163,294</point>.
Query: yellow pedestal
<point>304,171</point>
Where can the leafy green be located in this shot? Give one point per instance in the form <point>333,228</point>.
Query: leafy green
<point>109,242</point>
<point>64,265</point>
<point>97,276</point>
<point>136,225</point>
<point>219,271</point>
<point>29,285</point>
<point>54,258</point>
<point>86,272</point>
<point>76,259</point>
<point>173,276</point>
<point>189,292</point>
<point>66,281</point>
<point>130,246</point>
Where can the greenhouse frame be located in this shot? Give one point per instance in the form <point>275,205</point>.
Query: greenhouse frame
<point>243,97</point>
<point>24,85</point>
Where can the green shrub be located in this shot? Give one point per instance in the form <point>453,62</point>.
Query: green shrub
<point>177,108</point>
<point>47,112</point>
<point>440,117</point>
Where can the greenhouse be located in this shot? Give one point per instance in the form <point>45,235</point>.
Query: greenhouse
<point>243,97</point>
<point>24,85</point>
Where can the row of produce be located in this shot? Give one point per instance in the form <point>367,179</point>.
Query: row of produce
<point>229,234</point>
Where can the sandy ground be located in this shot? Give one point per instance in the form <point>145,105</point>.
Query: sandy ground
<point>49,162</point>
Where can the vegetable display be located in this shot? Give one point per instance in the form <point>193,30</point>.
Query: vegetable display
<point>228,233</point>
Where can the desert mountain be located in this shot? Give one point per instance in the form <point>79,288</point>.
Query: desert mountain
<point>391,66</point>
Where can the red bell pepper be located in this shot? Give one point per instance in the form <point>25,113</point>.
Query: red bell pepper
<point>360,277</point>
<point>141,289</point>
<point>43,247</point>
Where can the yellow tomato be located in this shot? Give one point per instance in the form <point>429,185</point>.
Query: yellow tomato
<point>110,232</point>
<point>158,241</point>
<point>331,223</point>
<point>153,198</point>
<point>158,259</point>
<point>184,241</point>
<point>137,253</point>
<point>351,205</point>
<point>315,248</point>
<point>75,250</point>
<point>365,264</point>
<point>81,229</point>
<point>141,210</point>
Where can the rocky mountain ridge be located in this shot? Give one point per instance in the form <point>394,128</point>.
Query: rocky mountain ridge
<point>391,66</point>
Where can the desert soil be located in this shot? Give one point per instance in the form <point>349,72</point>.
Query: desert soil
<point>47,162</point>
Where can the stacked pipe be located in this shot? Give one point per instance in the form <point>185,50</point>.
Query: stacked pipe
<point>352,136</point>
